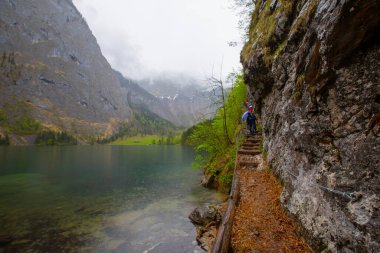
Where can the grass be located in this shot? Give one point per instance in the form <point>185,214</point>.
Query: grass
<point>137,140</point>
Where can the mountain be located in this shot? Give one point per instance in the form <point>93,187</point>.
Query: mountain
<point>313,68</point>
<point>51,60</point>
<point>53,76</point>
<point>186,99</point>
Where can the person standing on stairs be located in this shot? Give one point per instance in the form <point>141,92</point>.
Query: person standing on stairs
<point>251,120</point>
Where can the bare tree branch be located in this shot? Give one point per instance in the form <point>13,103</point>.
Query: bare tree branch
<point>218,86</point>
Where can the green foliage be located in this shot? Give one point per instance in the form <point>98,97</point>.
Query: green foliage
<point>262,30</point>
<point>26,125</point>
<point>215,153</point>
<point>226,178</point>
<point>143,122</point>
<point>186,134</point>
<point>55,138</point>
<point>171,139</point>
<point>198,161</point>
<point>17,118</point>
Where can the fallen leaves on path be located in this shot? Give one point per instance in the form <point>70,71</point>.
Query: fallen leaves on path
<point>260,223</point>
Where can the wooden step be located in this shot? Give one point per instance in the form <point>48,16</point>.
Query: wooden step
<point>249,144</point>
<point>249,152</point>
<point>250,147</point>
<point>253,140</point>
<point>249,164</point>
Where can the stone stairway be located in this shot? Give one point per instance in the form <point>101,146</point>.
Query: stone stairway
<point>248,150</point>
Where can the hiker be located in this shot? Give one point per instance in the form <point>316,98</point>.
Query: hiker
<point>251,120</point>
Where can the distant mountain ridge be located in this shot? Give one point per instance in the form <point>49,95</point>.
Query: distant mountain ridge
<point>184,98</point>
<point>50,60</point>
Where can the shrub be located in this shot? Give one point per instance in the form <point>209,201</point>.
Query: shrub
<point>55,138</point>
<point>216,154</point>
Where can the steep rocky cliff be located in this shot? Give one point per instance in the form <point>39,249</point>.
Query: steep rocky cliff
<point>51,60</point>
<point>313,67</point>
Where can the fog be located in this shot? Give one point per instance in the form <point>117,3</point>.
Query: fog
<point>146,38</point>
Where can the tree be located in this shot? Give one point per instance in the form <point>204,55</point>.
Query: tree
<point>213,137</point>
<point>218,85</point>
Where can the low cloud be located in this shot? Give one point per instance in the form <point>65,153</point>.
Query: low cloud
<point>143,37</point>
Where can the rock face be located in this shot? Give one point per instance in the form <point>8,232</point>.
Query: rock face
<point>313,67</point>
<point>50,58</point>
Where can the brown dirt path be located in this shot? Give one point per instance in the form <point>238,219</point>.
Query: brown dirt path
<point>260,223</point>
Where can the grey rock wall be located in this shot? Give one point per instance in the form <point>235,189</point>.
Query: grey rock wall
<point>316,82</point>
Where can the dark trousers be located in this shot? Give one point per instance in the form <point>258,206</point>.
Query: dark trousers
<point>252,126</point>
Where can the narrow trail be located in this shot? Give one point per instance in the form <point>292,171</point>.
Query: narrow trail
<point>260,223</point>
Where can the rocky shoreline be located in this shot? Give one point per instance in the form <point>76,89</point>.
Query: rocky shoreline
<point>207,219</point>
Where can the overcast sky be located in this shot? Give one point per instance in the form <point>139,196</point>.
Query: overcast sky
<point>145,37</point>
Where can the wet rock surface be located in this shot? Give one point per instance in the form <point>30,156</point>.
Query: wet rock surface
<point>205,214</point>
<point>207,219</point>
<point>317,87</point>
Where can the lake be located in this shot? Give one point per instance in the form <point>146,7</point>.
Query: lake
<point>99,199</point>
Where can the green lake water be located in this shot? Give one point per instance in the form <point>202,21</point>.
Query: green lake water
<point>99,199</point>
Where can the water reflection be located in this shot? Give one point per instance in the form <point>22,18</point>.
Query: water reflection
<point>99,199</point>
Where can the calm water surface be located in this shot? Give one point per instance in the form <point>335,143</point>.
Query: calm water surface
<point>99,199</point>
